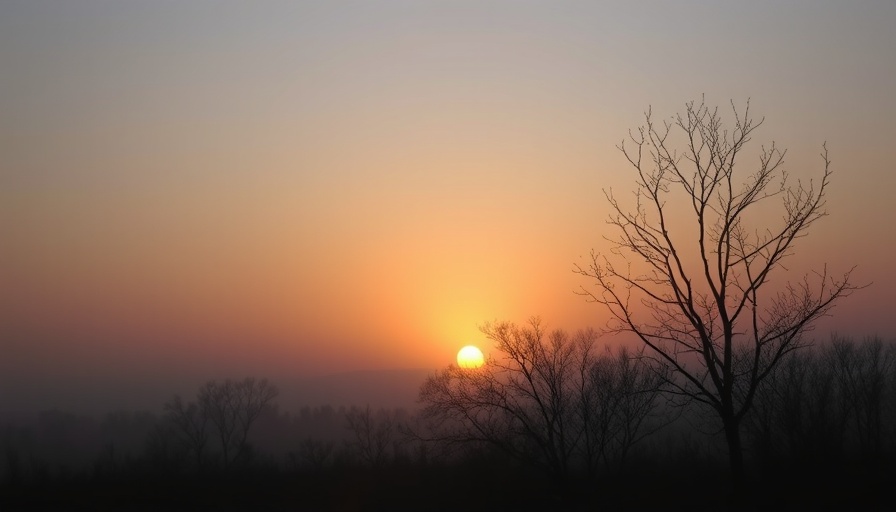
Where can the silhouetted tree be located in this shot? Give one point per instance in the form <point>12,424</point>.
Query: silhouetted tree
<point>823,405</point>
<point>374,434</point>
<point>868,379</point>
<point>619,407</point>
<point>190,422</point>
<point>540,400</point>
<point>232,406</point>
<point>700,302</point>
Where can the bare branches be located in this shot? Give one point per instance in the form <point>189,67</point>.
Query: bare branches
<point>374,434</point>
<point>227,409</point>
<point>546,399</point>
<point>699,301</point>
<point>189,422</point>
<point>232,407</point>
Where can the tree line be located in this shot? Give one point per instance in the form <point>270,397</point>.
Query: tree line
<point>548,406</point>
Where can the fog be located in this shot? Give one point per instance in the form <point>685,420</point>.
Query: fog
<point>102,394</point>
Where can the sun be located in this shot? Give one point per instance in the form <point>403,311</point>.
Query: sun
<point>470,357</point>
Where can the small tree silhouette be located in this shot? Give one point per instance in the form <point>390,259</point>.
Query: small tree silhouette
<point>226,410</point>
<point>232,406</point>
<point>374,434</point>
<point>191,423</point>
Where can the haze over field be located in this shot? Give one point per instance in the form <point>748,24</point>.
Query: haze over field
<point>292,190</point>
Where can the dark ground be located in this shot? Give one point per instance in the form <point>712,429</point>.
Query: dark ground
<point>460,487</point>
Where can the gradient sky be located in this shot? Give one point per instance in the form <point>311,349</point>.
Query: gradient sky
<point>204,189</point>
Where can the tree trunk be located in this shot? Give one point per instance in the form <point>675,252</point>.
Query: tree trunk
<point>735,454</point>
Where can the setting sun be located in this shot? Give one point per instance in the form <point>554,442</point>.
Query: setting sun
<point>470,357</point>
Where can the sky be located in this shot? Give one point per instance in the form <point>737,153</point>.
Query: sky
<point>195,190</point>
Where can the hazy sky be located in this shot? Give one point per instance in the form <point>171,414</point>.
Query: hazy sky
<point>297,188</point>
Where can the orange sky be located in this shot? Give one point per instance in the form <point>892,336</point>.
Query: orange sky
<point>216,188</point>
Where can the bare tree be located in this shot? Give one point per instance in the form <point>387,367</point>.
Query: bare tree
<point>190,424</point>
<point>374,434</point>
<point>868,371</point>
<point>828,404</point>
<point>622,407</point>
<point>696,293</point>
<point>537,400</point>
<point>232,407</point>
